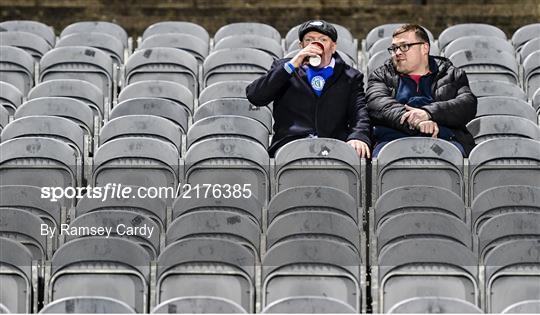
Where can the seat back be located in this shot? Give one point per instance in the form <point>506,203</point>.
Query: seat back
<point>327,162</point>
<point>504,161</point>
<point>163,63</point>
<point>235,64</point>
<point>87,304</point>
<point>17,68</point>
<point>419,160</point>
<point>181,27</point>
<point>98,266</point>
<point>239,166</point>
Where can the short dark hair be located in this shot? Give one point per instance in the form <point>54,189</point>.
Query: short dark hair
<point>418,30</point>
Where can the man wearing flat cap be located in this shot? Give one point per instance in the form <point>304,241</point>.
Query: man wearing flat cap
<point>322,97</point>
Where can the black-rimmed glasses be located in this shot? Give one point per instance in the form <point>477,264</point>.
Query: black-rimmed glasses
<point>403,47</point>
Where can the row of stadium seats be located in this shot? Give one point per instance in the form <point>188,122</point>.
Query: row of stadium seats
<point>479,48</point>
<point>421,246</point>
<point>145,160</point>
<point>309,238</point>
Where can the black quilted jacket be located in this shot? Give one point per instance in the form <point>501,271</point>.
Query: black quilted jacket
<point>454,104</point>
<point>339,113</point>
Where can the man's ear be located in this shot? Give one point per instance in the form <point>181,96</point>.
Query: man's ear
<point>425,48</point>
<point>334,47</point>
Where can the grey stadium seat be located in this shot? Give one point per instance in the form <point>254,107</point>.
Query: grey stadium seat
<point>17,68</point>
<point>377,60</point>
<point>181,27</point>
<point>39,161</point>
<point>529,48</point>
<point>28,198</point>
<point>327,162</point>
<point>120,222</point>
<point>511,274</point>
<point>245,207</point>
<point>524,307</point>
<point>224,90</point>
<point>77,89</point>
<point>432,304</point>
<point>98,27</point>
<point>425,267</point>
<point>102,41</point>
<point>229,161</point>
<point>248,28</point>
<point>159,89</point>
<point>42,30</point>
<point>153,208</point>
<point>198,305</point>
<point>524,34</point>
<point>79,62</point>
<point>386,30</point>
<point>499,126</point>
<point>505,161</point>
<point>234,106</point>
<point>207,266</point>
<point>18,292</point>
<point>4,117</point>
<point>536,101</point>
<point>307,225</point>
<point>421,225</point>
<point>189,43</point>
<point>96,266</point>
<point>484,88</point>
<point>322,267</point>
<point>228,126</point>
<point>531,73</point>
<point>66,107</point>
<point>403,200</point>
<point>219,224</point>
<point>265,44</point>
<point>153,106</point>
<point>163,63</point>
<point>308,305</point>
<point>25,228</point>
<point>468,29</point>
<point>384,43</point>
<point>418,160</point>
<point>31,43</point>
<point>503,199</point>
<point>138,161</point>
<point>48,126</point>
<point>505,105</point>
<point>142,126</point>
<point>307,198</point>
<point>11,98</point>
<point>487,64</point>
<point>87,304</point>
<point>478,43</point>
<point>501,228</point>
<point>379,32</point>
<point>53,127</point>
<point>235,64</point>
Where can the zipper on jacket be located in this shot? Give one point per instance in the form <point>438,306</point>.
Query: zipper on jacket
<point>314,96</point>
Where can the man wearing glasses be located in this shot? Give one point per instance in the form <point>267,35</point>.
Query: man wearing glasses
<point>315,93</point>
<point>415,94</point>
